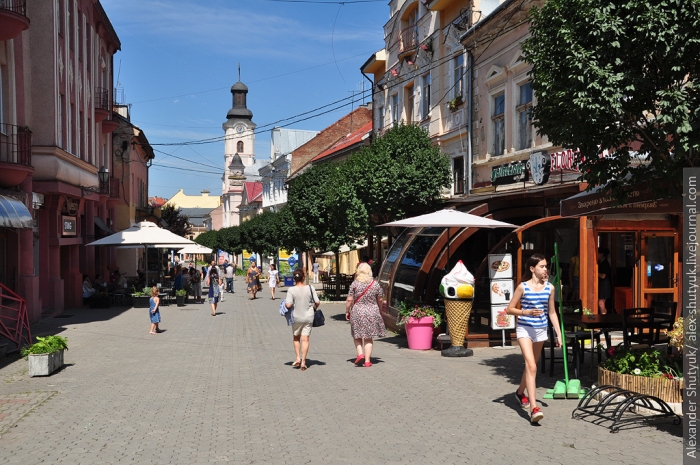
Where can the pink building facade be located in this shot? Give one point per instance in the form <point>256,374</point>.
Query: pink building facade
<point>56,84</point>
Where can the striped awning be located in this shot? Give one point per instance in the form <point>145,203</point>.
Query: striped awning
<point>14,214</point>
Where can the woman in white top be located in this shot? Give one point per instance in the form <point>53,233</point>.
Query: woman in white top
<point>305,301</point>
<point>272,279</point>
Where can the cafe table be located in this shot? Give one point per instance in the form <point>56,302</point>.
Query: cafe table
<point>605,323</point>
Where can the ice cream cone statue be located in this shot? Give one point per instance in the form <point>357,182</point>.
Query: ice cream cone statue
<point>457,288</point>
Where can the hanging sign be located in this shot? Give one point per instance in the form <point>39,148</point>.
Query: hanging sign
<point>70,226</point>
<point>509,173</point>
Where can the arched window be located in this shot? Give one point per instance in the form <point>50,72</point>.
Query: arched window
<point>239,147</point>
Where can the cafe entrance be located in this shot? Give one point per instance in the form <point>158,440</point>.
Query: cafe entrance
<point>644,267</point>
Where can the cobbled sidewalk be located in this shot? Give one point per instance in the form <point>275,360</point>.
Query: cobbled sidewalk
<point>221,389</point>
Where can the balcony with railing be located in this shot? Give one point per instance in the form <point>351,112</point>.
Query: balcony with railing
<point>103,104</point>
<point>13,18</point>
<point>408,40</point>
<point>15,154</point>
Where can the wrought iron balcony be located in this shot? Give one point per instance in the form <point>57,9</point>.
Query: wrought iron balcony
<point>408,40</point>
<point>15,144</point>
<point>103,104</point>
<point>13,18</point>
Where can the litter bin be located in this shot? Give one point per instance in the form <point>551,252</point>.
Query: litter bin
<point>289,281</point>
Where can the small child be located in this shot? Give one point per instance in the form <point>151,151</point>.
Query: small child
<point>155,310</point>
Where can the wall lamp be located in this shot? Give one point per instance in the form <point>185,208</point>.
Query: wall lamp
<point>102,176</point>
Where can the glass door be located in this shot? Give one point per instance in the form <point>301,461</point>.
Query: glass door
<point>658,270</point>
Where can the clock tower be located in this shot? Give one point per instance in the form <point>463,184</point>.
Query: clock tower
<point>239,148</point>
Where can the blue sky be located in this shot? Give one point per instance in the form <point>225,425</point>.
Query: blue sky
<point>179,59</point>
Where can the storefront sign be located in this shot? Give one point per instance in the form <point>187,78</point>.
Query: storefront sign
<point>639,200</point>
<point>564,160</point>
<point>70,226</point>
<point>539,167</point>
<point>508,174</point>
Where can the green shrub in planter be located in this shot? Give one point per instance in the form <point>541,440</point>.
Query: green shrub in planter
<point>181,293</point>
<point>45,345</point>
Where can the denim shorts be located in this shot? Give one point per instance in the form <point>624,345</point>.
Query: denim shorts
<point>535,334</point>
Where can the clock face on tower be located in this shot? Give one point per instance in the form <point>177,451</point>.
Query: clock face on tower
<point>240,128</point>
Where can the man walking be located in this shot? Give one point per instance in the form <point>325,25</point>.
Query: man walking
<point>229,278</point>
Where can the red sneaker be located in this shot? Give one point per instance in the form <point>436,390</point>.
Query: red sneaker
<point>358,361</point>
<point>536,415</point>
<point>523,400</point>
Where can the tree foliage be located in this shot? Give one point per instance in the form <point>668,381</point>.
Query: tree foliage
<point>260,234</point>
<point>622,76</point>
<point>209,239</point>
<point>177,223</point>
<point>399,174</point>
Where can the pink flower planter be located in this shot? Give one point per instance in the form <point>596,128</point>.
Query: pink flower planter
<point>419,332</point>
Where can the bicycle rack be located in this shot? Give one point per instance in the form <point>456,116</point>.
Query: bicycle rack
<point>619,406</point>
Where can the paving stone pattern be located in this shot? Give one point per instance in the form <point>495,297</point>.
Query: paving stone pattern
<point>221,389</point>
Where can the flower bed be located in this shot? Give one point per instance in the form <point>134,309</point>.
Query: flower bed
<point>668,390</point>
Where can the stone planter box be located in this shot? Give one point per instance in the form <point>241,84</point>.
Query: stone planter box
<point>141,302</point>
<point>668,390</point>
<point>45,364</point>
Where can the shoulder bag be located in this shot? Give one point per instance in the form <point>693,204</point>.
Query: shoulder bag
<point>319,319</point>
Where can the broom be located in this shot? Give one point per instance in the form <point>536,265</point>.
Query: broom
<point>569,388</point>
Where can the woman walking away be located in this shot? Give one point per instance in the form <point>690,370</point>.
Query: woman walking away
<point>214,282</point>
<point>273,279</point>
<point>250,279</point>
<point>362,309</point>
<point>305,302</point>
<point>536,298</point>
<point>154,310</point>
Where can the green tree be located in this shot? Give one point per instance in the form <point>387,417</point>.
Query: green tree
<point>260,234</point>
<point>176,222</point>
<point>622,76</point>
<point>399,174</point>
<point>209,239</point>
<point>230,240</point>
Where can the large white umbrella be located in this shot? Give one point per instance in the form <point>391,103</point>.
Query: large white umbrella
<point>145,234</point>
<point>449,219</point>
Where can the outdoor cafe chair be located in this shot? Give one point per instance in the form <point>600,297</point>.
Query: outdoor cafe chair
<point>639,327</point>
<point>572,347</point>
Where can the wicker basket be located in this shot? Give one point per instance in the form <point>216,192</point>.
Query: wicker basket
<point>668,390</point>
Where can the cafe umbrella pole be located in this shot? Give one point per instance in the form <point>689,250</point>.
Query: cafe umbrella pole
<point>569,388</point>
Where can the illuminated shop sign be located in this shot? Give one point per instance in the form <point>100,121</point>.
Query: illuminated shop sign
<point>70,225</point>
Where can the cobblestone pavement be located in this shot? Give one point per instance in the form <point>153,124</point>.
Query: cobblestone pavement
<point>221,389</point>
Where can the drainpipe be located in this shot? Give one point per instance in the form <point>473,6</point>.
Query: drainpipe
<point>371,86</point>
<point>469,122</point>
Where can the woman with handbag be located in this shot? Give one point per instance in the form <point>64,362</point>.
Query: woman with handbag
<point>362,310</point>
<point>305,302</point>
<point>214,282</point>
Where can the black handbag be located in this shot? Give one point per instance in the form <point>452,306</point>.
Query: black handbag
<point>319,319</point>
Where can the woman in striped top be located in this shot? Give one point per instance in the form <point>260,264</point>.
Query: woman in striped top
<point>533,303</point>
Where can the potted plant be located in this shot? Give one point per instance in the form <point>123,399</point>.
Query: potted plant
<point>420,319</point>
<point>645,371</point>
<point>180,297</point>
<point>454,104</point>
<point>46,355</point>
<point>588,313</point>
<point>140,299</point>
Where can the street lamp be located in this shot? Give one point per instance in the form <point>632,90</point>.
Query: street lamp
<point>103,175</point>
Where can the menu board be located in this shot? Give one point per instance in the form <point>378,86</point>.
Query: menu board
<point>500,319</point>
<point>500,266</point>
<point>501,291</point>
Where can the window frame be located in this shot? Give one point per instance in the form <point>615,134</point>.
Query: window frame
<point>520,109</point>
<point>498,120</point>
<point>426,84</point>
<point>394,108</point>
<point>458,76</point>
<point>409,102</point>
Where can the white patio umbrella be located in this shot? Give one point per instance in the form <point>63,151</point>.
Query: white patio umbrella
<point>195,249</point>
<point>449,219</point>
<point>145,234</point>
